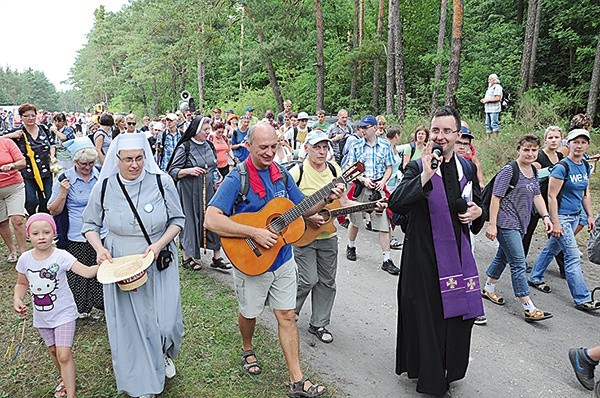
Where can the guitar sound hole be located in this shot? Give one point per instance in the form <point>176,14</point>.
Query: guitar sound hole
<point>276,225</point>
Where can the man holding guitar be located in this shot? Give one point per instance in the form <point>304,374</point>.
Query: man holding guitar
<point>317,260</point>
<point>276,287</point>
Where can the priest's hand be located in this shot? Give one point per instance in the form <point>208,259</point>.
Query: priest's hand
<point>473,212</point>
<point>426,157</point>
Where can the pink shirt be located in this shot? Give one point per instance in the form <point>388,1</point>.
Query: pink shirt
<point>9,153</point>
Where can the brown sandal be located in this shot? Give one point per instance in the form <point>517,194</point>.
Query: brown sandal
<point>536,315</point>
<point>494,297</point>
<point>191,264</point>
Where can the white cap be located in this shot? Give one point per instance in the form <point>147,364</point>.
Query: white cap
<point>314,137</point>
<point>302,116</point>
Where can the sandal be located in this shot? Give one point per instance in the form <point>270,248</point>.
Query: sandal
<point>220,263</point>
<point>13,257</point>
<point>494,297</point>
<point>395,244</point>
<point>322,334</point>
<point>542,287</point>
<point>536,315</point>
<point>60,391</point>
<point>299,390</point>
<point>191,264</point>
<point>247,365</point>
<point>589,306</point>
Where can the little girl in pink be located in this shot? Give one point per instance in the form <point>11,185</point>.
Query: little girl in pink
<point>43,269</point>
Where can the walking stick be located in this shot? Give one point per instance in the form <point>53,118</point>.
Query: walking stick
<point>204,210</point>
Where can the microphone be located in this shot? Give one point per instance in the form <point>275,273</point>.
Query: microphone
<point>461,205</point>
<point>437,149</point>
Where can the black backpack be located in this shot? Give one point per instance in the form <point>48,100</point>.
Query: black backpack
<point>486,194</point>
<point>413,148</point>
<point>62,222</point>
<point>506,99</point>
<point>341,145</point>
<point>245,181</point>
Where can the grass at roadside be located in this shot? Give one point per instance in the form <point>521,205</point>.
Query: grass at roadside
<point>208,365</point>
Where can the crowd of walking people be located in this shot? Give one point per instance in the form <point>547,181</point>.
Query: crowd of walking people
<point>106,186</point>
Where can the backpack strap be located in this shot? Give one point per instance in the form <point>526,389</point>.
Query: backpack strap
<point>467,168</point>
<point>245,181</point>
<point>103,194</point>
<point>212,147</point>
<point>160,186</point>
<point>301,167</point>
<point>413,149</point>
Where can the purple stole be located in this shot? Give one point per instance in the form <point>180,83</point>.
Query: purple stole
<point>458,278</point>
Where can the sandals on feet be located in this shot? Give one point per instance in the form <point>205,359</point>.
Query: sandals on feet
<point>542,287</point>
<point>589,306</point>
<point>299,390</point>
<point>247,365</point>
<point>191,264</point>
<point>220,263</point>
<point>60,391</point>
<point>536,315</point>
<point>322,334</point>
<point>494,297</point>
<point>13,257</point>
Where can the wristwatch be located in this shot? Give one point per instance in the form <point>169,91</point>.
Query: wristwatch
<point>546,215</point>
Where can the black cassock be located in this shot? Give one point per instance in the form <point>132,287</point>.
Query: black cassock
<point>433,349</point>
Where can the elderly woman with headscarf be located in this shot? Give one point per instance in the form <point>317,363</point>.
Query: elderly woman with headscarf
<point>145,326</point>
<point>194,167</point>
<point>71,194</point>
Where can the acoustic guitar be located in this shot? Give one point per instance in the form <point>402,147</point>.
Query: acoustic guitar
<point>329,213</point>
<point>283,218</point>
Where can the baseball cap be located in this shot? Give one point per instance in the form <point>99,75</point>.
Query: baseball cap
<point>466,132</point>
<point>314,137</point>
<point>229,111</point>
<point>366,121</point>
<point>172,116</point>
<point>304,116</point>
<point>578,133</point>
<point>249,108</point>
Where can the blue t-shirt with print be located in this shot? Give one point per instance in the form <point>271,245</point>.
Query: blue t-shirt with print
<point>239,137</point>
<point>225,197</point>
<point>573,187</point>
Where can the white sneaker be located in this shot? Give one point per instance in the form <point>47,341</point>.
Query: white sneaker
<point>83,315</point>
<point>480,320</point>
<point>169,367</point>
<point>147,396</point>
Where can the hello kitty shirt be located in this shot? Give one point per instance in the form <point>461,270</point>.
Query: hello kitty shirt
<point>51,298</point>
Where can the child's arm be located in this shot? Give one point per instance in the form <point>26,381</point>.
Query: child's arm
<point>84,270</point>
<point>19,295</point>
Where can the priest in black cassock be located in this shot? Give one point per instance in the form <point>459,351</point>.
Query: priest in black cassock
<point>438,294</point>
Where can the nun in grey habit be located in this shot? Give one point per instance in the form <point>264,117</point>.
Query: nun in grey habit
<point>194,167</point>
<point>145,326</point>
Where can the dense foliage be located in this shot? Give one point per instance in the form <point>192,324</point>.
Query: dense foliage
<point>28,86</point>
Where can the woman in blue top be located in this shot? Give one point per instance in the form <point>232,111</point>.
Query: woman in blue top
<point>571,184</point>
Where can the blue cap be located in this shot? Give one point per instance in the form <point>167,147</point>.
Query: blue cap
<point>466,132</point>
<point>366,121</point>
<point>249,108</point>
<point>77,144</point>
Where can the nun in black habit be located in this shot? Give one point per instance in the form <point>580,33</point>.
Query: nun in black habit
<point>438,293</point>
<point>194,167</point>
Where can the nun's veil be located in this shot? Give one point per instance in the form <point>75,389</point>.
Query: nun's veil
<point>123,142</point>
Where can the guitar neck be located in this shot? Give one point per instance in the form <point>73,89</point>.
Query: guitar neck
<point>342,211</point>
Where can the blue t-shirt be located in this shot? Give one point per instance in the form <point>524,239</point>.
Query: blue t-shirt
<point>238,137</point>
<point>225,197</point>
<point>573,187</point>
<point>515,208</point>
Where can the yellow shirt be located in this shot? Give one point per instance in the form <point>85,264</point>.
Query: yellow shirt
<point>312,181</point>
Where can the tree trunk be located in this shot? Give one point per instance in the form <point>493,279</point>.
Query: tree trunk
<point>376,62</point>
<point>399,69</point>
<point>268,62</point>
<point>520,11</point>
<point>200,76</point>
<point>242,49</point>
<point>353,81</point>
<point>593,97</point>
<point>437,77</point>
<point>320,56</point>
<point>527,45</point>
<point>534,44</point>
<point>389,70</point>
<point>454,66</point>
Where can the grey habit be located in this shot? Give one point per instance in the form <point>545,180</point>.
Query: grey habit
<point>145,323</point>
<point>190,190</point>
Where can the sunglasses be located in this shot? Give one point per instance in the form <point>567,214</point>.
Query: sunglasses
<point>131,123</point>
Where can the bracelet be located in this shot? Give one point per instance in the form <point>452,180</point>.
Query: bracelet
<point>546,215</point>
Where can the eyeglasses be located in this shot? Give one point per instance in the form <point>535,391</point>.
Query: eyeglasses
<point>444,131</point>
<point>85,164</point>
<point>129,161</point>
<point>463,143</point>
<point>131,123</point>
<point>28,116</point>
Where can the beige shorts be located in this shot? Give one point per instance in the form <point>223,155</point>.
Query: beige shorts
<point>379,221</point>
<point>12,201</point>
<point>274,289</point>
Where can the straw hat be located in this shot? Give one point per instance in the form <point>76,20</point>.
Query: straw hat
<point>128,272</point>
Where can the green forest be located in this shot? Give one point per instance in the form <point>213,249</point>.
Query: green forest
<point>396,57</point>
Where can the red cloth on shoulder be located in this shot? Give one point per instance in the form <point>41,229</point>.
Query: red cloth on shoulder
<point>255,182</point>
